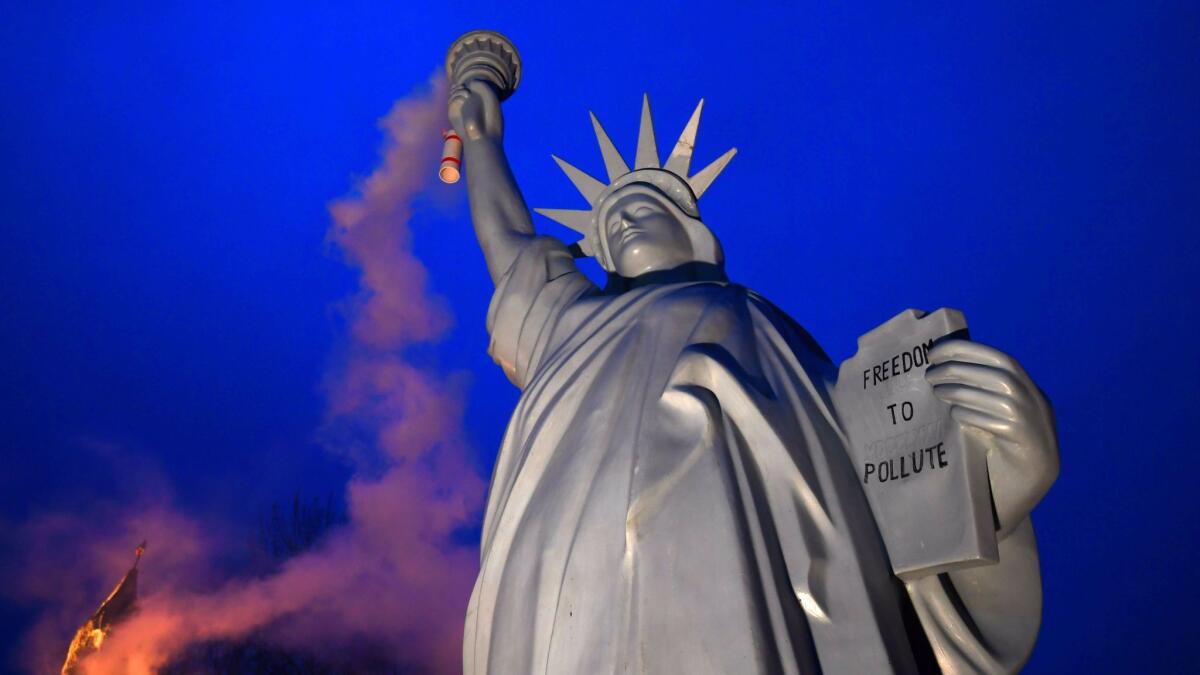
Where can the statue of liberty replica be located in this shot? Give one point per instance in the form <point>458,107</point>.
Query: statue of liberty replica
<point>675,492</point>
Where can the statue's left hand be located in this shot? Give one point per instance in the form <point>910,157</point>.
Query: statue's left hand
<point>999,407</point>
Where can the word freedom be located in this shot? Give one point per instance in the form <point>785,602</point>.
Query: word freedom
<point>898,365</point>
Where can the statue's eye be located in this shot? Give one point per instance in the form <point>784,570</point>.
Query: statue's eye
<point>643,211</point>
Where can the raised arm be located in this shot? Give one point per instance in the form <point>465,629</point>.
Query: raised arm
<point>502,222</point>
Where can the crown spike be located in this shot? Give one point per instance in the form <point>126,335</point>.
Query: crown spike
<point>708,174</point>
<point>681,156</point>
<point>647,149</point>
<point>578,220</point>
<point>613,162</point>
<point>589,187</point>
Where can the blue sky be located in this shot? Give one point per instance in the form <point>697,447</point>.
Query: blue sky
<point>168,290</point>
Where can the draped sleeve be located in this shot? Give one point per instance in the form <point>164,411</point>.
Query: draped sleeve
<point>528,305</point>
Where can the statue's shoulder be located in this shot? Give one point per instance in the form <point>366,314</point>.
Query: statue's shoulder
<point>802,342</point>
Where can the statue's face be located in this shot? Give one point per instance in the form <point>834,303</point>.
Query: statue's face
<point>644,234</point>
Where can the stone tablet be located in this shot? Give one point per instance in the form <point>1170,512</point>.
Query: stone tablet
<point>928,489</point>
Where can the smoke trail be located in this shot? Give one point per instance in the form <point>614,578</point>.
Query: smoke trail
<point>392,576</point>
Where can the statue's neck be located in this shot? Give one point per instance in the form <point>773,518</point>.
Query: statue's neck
<point>687,272</point>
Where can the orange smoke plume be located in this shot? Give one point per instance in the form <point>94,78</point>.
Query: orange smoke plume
<point>393,574</point>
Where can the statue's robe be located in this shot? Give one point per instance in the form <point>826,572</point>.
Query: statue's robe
<point>673,495</point>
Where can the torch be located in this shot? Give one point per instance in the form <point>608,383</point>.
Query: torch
<point>477,55</point>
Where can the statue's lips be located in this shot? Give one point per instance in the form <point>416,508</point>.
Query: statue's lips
<point>630,233</point>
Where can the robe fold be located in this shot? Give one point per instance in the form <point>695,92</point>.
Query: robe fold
<point>673,493</point>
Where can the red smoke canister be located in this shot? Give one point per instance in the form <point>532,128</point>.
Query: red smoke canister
<point>451,158</point>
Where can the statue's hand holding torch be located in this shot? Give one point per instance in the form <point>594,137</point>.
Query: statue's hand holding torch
<point>475,111</point>
<point>483,69</point>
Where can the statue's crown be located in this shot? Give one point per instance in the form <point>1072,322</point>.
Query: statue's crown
<point>671,179</point>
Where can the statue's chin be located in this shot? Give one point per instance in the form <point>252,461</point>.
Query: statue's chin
<point>638,261</point>
<point>634,271</point>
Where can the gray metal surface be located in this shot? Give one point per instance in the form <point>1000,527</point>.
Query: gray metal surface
<point>928,489</point>
<point>675,491</point>
<point>484,55</point>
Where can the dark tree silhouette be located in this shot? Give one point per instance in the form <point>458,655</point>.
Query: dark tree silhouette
<point>283,534</point>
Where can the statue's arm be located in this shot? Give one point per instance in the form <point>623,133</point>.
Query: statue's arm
<point>1000,408</point>
<point>986,619</point>
<point>502,222</point>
